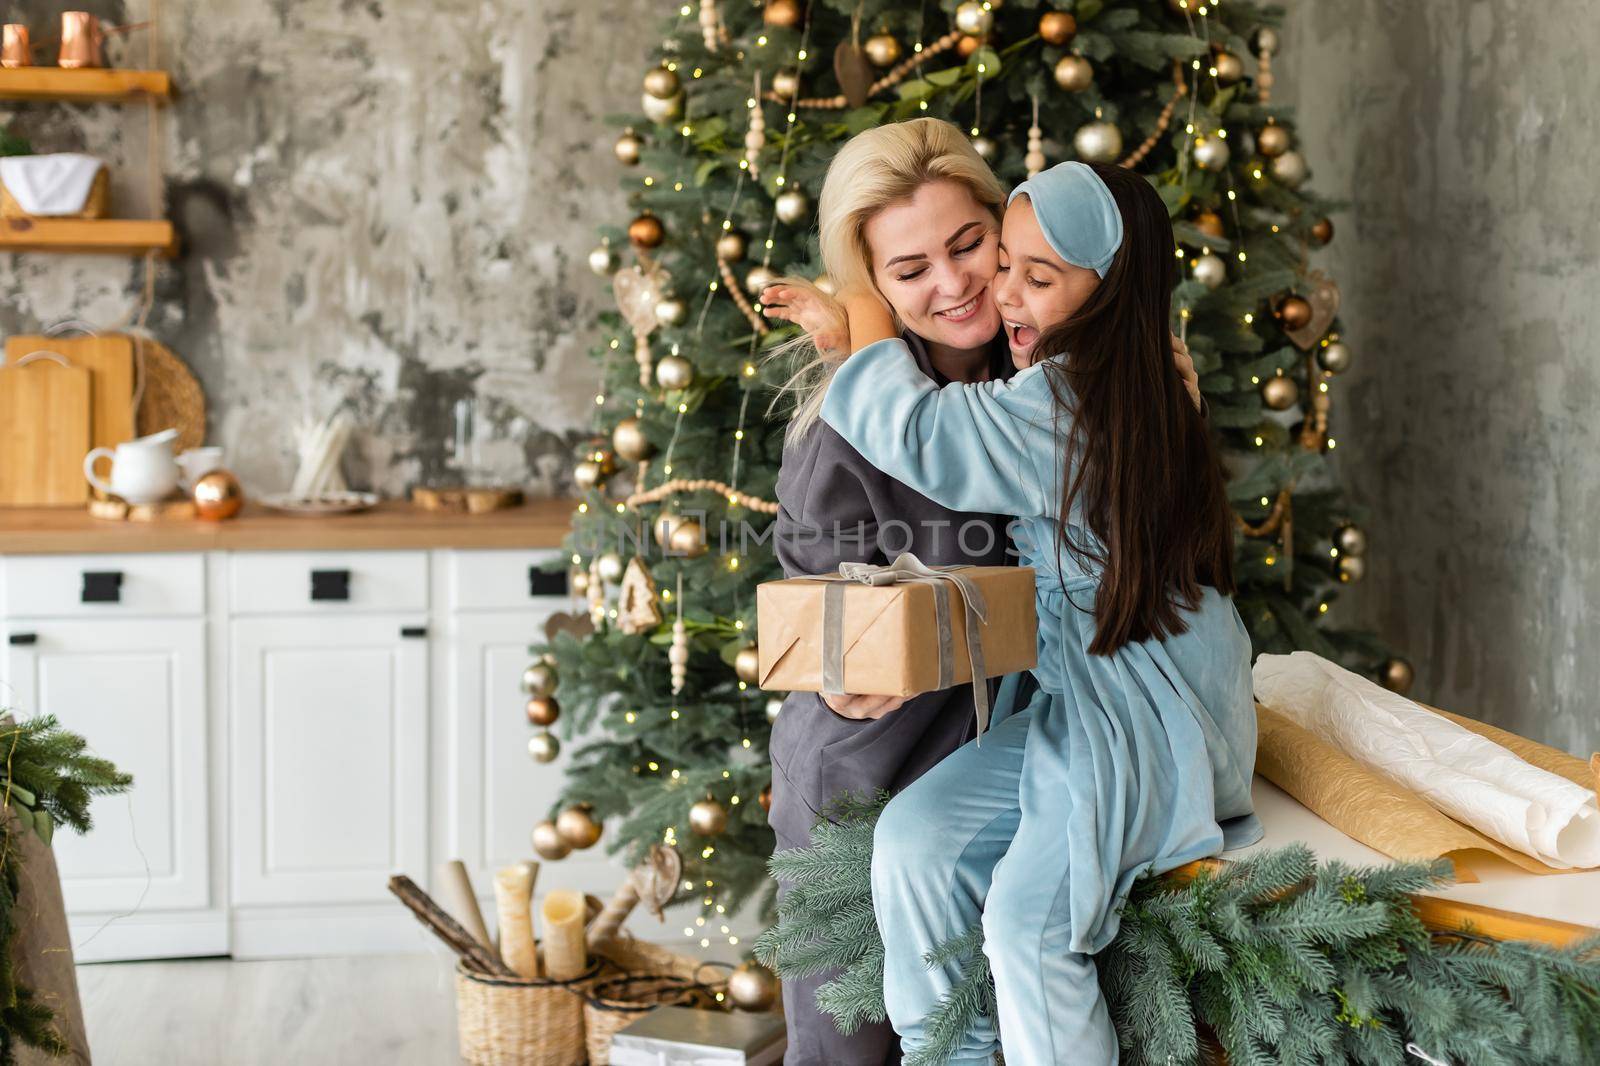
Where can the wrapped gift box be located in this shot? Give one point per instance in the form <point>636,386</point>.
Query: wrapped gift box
<point>890,636</point>
<point>682,1036</point>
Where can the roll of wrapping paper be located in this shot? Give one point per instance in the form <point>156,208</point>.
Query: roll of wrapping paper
<point>561,918</point>
<point>458,900</point>
<point>1388,817</point>
<point>513,891</point>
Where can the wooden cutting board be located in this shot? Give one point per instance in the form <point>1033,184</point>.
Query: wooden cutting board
<point>109,360</point>
<point>44,433</point>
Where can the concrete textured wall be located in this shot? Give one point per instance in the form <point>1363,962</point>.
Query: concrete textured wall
<point>1465,135</point>
<point>383,198</point>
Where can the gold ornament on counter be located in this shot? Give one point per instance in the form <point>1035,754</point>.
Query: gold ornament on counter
<point>1229,69</point>
<point>577,826</point>
<point>759,278</point>
<point>630,441</point>
<point>543,711</point>
<point>974,19</point>
<point>1280,392</point>
<point>646,231</point>
<point>747,664</point>
<point>1350,539</point>
<point>609,566</point>
<point>1209,223</point>
<point>629,147</point>
<point>1273,140</point>
<point>671,311</point>
<point>1352,568</point>
<point>1334,357</point>
<point>688,539</point>
<point>547,841</point>
<point>1290,169</point>
<point>1098,142</point>
<point>1211,153</point>
<point>1396,675</point>
<point>217,495</point>
<point>752,987</point>
<point>882,49</point>
<point>543,746</point>
<point>603,261</point>
<point>792,206</point>
<point>674,372</point>
<point>733,246</point>
<point>1074,73</point>
<point>708,817</point>
<point>540,679</point>
<point>784,13</point>
<point>662,83</point>
<point>1209,270</point>
<point>638,610</point>
<point>1322,230</point>
<point>1057,27</point>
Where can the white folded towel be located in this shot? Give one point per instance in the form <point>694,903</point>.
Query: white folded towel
<point>1468,777</point>
<point>47,185</point>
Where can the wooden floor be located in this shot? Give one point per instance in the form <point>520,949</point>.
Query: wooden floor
<point>398,1010</point>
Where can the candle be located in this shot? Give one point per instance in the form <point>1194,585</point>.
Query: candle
<point>513,889</point>
<point>561,916</point>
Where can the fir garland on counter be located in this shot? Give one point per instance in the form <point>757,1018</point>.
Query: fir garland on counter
<point>1276,959</point>
<point>46,778</point>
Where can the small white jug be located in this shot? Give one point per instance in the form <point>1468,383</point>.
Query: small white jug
<point>142,470</point>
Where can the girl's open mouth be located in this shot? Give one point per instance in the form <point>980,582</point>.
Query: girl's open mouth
<point>1021,336</point>
<point>965,311</point>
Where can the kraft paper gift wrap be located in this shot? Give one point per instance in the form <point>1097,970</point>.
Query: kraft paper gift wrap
<point>890,633</point>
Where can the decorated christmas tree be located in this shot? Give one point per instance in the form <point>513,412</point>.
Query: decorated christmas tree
<point>743,106</point>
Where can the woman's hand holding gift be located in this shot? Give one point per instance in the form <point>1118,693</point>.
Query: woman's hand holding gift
<point>861,707</point>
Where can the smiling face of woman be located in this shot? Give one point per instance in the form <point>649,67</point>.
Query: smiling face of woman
<point>1034,287</point>
<point>933,257</point>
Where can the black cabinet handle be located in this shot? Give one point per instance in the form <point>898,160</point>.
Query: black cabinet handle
<point>24,638</point>
<point>546,582</point>
<point>413,631</point>
<point>330,584</point>
<point>101,586</point>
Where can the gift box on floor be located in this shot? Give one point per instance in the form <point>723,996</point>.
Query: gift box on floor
<point>896,630</point>
<point>683,1036</point>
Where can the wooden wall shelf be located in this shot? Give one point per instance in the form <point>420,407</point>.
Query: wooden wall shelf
<point>84,85</point>
<point>89,236</point>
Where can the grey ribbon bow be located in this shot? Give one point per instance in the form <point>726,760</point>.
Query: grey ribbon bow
<point>907,568</point>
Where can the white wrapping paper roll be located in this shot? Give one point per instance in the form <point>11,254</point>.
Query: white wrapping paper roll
<point>513,891</point>
<point>1468,777</point>
<point>457,898</point>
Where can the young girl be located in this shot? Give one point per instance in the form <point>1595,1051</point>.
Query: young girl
<point>1136,753</point>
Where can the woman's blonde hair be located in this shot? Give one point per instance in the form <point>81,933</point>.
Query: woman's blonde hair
<point>875,169</point>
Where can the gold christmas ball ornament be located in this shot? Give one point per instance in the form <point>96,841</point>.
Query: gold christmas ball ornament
<point>733,246</point>
<point>759,278</point>
<point>548,843</point>
<point>785,13</point>
<point>1098,142</point>
<point>577,826</point>
<point>646,231</point>
<point>766,797</point>
<point>1396,675</point>
<point>883,50</point>
<point>1352,568</point>
<point>586,475</point>
<point>1074,73</point>
<point>985,148</point>
<point>662,111</point>
<point>1322,230</point>
<point>747,664</point>
<point>792,206</point>
<point>674,372</point>
<point>708,817</point>
<point>786,83</point>
<point>630,441</point>
<point>1057,27</point>
<point>688,539</point>
<point>671,311</point>
<point>663,526</point>
<point>1290,169</point>
<point>966,46</point>
<point>578,581</point>
<point>774,708</point>
<point>1211,153</point>
<point>1280,392</point>
<point>1273,140</point>
<point>752,987</point>
<point>1294,312</point>
<point>603,261</point>
<point>1209,270</point>
<point>610,567</point>
<point>1334,358</point>
<point>543,746</point>
<point>1229,69</point>
<point>662,83</point>
<point>1209,223</point>
<point>217,495</point>
<point>543,711</point>
<point>540,679</point>
<point>974,19</point>
<point>628,147</point>
<point>1351,539</point>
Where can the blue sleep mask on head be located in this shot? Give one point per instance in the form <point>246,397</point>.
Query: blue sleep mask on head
<point>1077,213</point>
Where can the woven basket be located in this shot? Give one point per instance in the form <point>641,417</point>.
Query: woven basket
<point>637,977</point>
<point>98,205</point>
<point>518,1021</point>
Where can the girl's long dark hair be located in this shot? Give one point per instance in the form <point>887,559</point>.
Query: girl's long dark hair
<point>1146,477</point>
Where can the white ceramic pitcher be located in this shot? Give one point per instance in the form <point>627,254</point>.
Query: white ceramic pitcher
<point>142,470</point>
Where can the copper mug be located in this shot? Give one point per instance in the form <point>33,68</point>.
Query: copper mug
<point>16,52</point>
<point>81,40</point>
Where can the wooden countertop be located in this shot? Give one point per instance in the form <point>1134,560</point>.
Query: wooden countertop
<point>391,524</point>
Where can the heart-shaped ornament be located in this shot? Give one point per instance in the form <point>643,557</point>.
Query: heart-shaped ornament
<point>854,71</point>
<point>637,294</point>
<point>578,625</point>
<point>1324,301</point>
